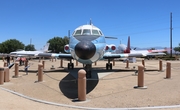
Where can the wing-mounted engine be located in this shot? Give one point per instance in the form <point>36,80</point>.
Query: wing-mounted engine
<point>66,48</point>
<point>110,48</point>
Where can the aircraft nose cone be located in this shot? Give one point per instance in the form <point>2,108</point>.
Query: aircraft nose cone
<point>85,50</point>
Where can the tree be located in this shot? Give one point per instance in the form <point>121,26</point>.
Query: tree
<point>57,44</point>
<point>10,45</point>
<point>177,49</point>
<point>30,47</point>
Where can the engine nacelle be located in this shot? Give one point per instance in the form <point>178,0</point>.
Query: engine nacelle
<point>110,48</point>
<point>66,48</point>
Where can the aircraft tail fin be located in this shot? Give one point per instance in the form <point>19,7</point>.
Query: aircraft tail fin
<point>46,47</point>
<point>128,46</point>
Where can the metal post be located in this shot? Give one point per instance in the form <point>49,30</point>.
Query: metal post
<point>171,33</point>
<point>168,70</point>
<point>140,78</point>
<point>61,63</point>
<point>6,74</point>
<point>95,63</point>
<point>52,59</point>
<point>1,76</point>
<point>76,63</point>
<point>127,63</point>
<point>113,62</point>
<point>16,69</point>
<point>160,65</point>
<point>5,64</point>
<point>143,63</point>
<point>40,72</point>
<point>81,85</point>
<point>43,64</point>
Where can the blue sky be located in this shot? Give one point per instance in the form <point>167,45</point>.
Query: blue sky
<point>147,22</point>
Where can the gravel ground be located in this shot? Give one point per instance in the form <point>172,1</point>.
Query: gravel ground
<point>114,90</point>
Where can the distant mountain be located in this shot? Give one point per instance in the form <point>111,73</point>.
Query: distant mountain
<point>147,48</point>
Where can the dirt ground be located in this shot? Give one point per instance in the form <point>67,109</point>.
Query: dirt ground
<point>106,89</point>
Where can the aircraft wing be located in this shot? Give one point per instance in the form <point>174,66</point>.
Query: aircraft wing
<point>3,54</point>
<point>155,54</point>
<point>109,55</point>
<point>22,55</point>
<point>60,55</point>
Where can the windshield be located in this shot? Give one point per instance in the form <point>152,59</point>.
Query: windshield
<point>95,32</point>
<point>86,32</point>
<point>78,32</point>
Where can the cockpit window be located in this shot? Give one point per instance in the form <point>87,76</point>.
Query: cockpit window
<point>78,32</point>
<point>86,32</point>
<point>95,32</point>
<point>100,32</point>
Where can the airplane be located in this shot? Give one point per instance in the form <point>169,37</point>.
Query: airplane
<point>127,49</point>
<point>23,53</point>
<point>88,45</point>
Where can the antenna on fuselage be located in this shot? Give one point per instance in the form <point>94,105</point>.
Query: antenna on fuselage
<point>90,22</point>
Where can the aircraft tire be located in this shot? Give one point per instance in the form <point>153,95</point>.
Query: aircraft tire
<point>110,66</point>
<point>72,66</point>
<point>68,65</point>
<point>107,66</point>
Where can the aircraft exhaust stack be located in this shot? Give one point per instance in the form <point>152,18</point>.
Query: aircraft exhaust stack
<point>110,48</point>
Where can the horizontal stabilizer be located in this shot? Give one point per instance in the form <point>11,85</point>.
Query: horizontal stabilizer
<point>110,37</point>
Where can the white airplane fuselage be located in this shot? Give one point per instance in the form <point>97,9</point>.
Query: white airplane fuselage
<point>31,54</point>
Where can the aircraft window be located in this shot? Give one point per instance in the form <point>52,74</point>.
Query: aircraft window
<point>78,32</point>
<point>95,32</point>
<point>86,32</point>
<point>100,32</point>
<point>73,32</point>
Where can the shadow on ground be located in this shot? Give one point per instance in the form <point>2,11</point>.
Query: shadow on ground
<point>69,84</point>
<point>45,70</point>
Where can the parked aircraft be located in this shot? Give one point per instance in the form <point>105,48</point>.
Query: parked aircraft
<point>88,45</point>
<point>30,53</point>
<point>126,49</point>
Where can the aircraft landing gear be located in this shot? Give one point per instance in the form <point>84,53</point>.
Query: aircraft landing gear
<point>108,65</point>
<point>70,65</point>
<point>88,70</point>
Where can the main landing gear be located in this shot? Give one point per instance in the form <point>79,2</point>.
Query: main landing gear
<point>88,68</point>
<point>109,65</point>
<point>70,65</point>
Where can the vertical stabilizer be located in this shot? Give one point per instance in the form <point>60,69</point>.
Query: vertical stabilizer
<point>128,46</point>
<point>46,47</point>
